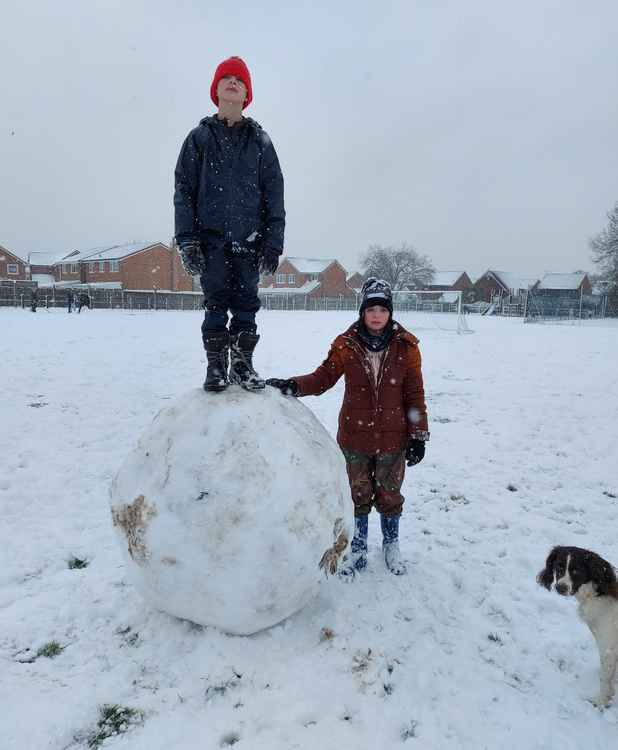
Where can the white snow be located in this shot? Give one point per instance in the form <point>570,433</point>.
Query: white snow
<point>309,265</point>
<point>466,651</point>
<point>561,281</point>
<point>445,278</point>
<point>104,252</point>
<point>227,505</point>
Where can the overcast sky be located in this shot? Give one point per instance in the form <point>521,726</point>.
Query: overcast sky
<point>483,132</point>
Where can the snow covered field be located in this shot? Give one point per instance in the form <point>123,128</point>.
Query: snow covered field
<point>465,652</point>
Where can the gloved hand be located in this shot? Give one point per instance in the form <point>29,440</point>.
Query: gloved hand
<point>269,260</point>
<point>415,451</point>
<point>192,258</point>
<point>287,387</point>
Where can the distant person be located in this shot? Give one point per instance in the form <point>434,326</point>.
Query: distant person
<point>83,301</point>
<point>383,418</point>
<point>34,298</point>
<point>70,300</point>
<point>230,222</point>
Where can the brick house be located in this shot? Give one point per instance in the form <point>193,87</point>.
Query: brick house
<point>12,267</point>
<point>563,285</point>
<point>310,277</point>
<point>356,281</point>
<point>564,295</point>
<point>449,281</point>
<point>137,265</point>
<point>502,285</point>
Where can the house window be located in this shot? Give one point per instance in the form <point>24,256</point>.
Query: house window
<point>73,267</point>
<point>91,267</point>
<point>65,267</point>
<point>280,278</point>
<point>12,268</point>
<point>313,277</point>
<point>102,266</point>
<point>291,278</point>
<point>114,266</point>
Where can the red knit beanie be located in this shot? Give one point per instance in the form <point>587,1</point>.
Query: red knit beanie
<point>233,66</point>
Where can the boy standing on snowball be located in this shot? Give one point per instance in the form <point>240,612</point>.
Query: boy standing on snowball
<point>230,222</point>
<point>383,418</point>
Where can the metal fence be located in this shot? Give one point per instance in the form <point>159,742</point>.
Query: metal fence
<point>19,294</point>
<point>285,301</point>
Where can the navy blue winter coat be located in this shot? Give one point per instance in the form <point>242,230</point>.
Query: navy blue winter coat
<point>229,187</point>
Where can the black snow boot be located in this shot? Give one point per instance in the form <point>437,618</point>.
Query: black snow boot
<point>358,548</point>
<point>216,343</point>
<point>242,346</point>
<point>390,544</point>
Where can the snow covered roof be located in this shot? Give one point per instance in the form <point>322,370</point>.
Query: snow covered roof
<point>39,258</point>
<point>310,265</point>
<point>106,252</point>
<point>445,278</point>
<point>513,280</point>
<point>309,286</point>
<point>562,280</point>
<point>43,279</point>
<point>12,253</point>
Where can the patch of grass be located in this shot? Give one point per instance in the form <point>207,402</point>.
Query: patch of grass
<point>76,563</point>
<point>409,731</point>
<point>50,649</point>
<point>214,691</point>
<point>114,720</point>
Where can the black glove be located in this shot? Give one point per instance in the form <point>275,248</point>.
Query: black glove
<point>415,451</point>
<point>269,260</point>
<point>192,258</point>
<point>287,387</point>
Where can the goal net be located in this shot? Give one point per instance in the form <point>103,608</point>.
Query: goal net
<point>566,307</point>
<point>433,310</point>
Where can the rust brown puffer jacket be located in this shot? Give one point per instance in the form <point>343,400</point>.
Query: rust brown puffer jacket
<point>374,418</point>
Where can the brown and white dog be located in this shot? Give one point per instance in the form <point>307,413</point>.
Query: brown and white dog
<point>592,581</point>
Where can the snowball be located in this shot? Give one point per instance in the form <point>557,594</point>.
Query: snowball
<point>229,504</point>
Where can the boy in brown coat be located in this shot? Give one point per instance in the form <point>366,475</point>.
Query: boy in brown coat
<point>383,418</point>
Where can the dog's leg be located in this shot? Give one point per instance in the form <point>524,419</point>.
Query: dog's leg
<point>609,665</point>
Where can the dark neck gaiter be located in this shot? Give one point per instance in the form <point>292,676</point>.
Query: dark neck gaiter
<point>375,343</point>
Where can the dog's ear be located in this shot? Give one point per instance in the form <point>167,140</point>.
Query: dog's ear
<point>602,575</point>
<point>546,576</point>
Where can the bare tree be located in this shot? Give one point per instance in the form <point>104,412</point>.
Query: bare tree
<point>604,248</point>
<point>402,267</point>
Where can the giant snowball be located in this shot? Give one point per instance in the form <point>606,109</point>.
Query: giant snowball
<point>229,504</point>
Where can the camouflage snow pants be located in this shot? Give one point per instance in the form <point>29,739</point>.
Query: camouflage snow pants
<point>376,481</point>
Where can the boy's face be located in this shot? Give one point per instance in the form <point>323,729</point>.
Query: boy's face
<point>231,89</point>
<point>376,317</point>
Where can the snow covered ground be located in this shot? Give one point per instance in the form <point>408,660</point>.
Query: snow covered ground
<point>465,652</point>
